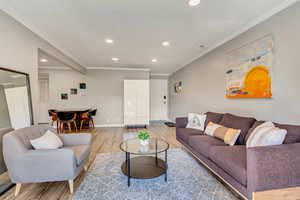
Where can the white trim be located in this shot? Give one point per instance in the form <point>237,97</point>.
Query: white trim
<point>108,125</point>
<point>243,29</point>
<point>169,120</point>
<point>158,74</point>
<point>120,68</point>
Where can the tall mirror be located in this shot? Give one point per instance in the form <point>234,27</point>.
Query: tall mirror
<point>15,111</point>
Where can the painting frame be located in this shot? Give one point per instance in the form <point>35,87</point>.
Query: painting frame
<point>250,70</point>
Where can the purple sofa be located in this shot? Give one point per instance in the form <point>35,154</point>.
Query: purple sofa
<point>245,170</point>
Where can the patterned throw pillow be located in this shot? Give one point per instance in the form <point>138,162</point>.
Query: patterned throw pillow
<point>196,121</point>
<point>266,134</point>
<point>228,135</point>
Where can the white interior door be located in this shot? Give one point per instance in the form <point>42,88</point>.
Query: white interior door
<point>158,99</point>
<point>18,107</point>
<point>43,101</point>
<point>130,101</point>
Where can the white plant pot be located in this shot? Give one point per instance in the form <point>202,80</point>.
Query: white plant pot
<point>144,142</point>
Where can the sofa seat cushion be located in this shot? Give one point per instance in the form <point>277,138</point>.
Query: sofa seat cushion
<point>184,133</point>
<point>237,122</point>
<point>203,143</point>
<point>232,159</point>
<point>82,152</point>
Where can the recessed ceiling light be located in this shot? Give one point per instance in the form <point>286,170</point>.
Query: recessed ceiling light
<point>109,41</point>
<point>154,60</point>
<point>43,60</point>
<point>194,2</point>
<point>166,44</point>
<point>115,59</point>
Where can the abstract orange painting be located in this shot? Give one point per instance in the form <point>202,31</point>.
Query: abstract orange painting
<point>249,74</point>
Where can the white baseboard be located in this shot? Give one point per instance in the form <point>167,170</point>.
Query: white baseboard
<point>108,125</point>
<point>171,120</point>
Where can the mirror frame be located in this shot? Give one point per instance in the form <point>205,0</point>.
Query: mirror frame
<point>28,90</point>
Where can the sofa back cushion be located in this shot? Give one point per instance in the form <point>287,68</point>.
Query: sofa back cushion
<point>213,117</point>
<point>237,122</point>
<point>293,133</point>
<point>29,133</point>
<point>292,136</point>
<point>256,124</point>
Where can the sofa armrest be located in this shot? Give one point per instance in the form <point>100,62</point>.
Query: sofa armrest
<point>76,139</point>
<point>181,122</point>
<point>273,167</point>
<point>43,165</point>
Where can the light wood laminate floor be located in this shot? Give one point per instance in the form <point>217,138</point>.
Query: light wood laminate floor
<point>105,140</point>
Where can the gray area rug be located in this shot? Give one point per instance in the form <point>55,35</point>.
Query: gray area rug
<point>187,180</point>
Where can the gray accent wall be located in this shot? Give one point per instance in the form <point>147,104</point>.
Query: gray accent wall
<point>204,79</point>
<point>104,91</point>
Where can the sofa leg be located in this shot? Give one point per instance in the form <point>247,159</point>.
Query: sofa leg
<point>71,186</point>
<point>85,167</point>
<point>18,188</point>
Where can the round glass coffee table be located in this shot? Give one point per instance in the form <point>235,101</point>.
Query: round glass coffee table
<point>145,164</point>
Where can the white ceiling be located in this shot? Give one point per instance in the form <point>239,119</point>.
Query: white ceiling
<point>138,27</point>
<point>51,61</point>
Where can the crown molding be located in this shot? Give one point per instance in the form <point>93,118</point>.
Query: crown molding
<point>120,68</point>
<point>243,29</point>
<point>159,74</point>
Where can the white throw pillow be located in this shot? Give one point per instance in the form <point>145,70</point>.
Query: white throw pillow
<point>266,134</point>
<point>196,121</point>
<point>48,141</point>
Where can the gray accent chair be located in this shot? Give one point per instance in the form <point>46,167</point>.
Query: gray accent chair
<point>27,165</point>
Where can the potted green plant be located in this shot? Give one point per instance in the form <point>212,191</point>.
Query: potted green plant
<point>144,137</point>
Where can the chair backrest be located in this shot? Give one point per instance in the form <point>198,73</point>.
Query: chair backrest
<point>64,116</point>
<point>51,112</point>
<point>85,115</point>
<point>93,112</point>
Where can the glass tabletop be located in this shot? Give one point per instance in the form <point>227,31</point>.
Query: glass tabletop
<point>134,146</point>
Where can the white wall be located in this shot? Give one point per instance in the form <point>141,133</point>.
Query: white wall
<point>204,80</point>
<point>104,91</point>
<point>18,51</point>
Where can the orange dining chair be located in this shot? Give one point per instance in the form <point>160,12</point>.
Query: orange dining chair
<point>54,118</point>
<point>85,117</point>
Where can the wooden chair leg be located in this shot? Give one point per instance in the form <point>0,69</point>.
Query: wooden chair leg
<point>93,123</point>
<point>62,127</point>
<point>18,188</point>
<point>81,123</point>
<point>57,126</point>
<point>75,125</point>
<point>71,186</point>
<point>69,125</point>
